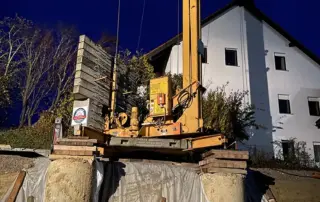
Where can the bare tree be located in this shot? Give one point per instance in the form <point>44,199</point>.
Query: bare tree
<point>11,42</point>
<point>63,62</point>
<point>39,63</point>
<point>35,85</point>
<point>49,69</point>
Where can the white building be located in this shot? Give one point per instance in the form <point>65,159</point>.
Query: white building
<point>245,48</point>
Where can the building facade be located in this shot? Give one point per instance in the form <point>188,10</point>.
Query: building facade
<point>246,49</point>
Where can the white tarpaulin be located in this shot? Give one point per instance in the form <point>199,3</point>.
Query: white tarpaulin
<point>149,182</point>
<point>34,182</point>
<point>134,182</point>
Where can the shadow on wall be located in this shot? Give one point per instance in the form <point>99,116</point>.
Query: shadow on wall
<point>259,92</point>
<point>278,124</point>
<point>113,171</point>
<point>257,184</point>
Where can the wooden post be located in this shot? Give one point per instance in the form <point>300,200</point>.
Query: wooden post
<point>16,187</point>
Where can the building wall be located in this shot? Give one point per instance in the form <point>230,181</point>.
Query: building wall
<point>256,43</point>
<point>258,85</point>
<point>300,80</point>
<point>226,31</point>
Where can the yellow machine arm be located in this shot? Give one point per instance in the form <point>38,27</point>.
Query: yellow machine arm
<point>163,118</point>
<point>191,119</point>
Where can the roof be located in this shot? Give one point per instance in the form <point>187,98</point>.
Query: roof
<point>250,7</point>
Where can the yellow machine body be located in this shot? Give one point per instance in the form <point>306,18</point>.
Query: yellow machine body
<point>160,97</point>
<point>190,120</point>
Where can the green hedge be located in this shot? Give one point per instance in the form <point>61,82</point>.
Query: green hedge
<point>28,137</point>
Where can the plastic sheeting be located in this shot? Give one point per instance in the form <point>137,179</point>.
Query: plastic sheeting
<point>97,180</point>
<point>148,182</point>
<point>34,182</point>
<point>134,182</point>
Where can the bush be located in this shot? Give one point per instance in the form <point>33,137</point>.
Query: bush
<point>298,157</point>
<point>301,160</point>
<point>28,137</point>
<point>40,135</point>
<point>228,114</point>
<point>133,82</point>
<point>176,80</point>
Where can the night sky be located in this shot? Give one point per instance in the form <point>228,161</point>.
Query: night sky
<point>299,18</point>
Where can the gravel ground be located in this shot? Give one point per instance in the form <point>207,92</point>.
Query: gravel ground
<point>14,163</point>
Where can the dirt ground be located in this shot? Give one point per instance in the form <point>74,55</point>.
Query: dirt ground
<point>293,185</point>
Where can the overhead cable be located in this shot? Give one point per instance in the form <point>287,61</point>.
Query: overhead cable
<point>141,23</point>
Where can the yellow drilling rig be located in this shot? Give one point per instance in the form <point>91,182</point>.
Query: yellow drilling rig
<point>172,115</point>
<point>172,118</point>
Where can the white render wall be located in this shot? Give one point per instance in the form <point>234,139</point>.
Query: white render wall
<point>216,36</point>
<point>301,80</point>
<point>256,42</point>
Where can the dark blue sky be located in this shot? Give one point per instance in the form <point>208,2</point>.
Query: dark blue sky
<point>300,18</point>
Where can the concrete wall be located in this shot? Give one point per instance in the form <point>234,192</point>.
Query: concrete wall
<point>256,43</point>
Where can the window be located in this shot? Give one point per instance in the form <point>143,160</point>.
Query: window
<point>204,56</point>
<point>287,149</point>
<point>314,109</point>
<point>231,57</point>
<point>280,62</point>
<point>284,104</point>
<point>316,149</point>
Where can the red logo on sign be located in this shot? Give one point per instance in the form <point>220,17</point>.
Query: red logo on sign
<point>79,115</point>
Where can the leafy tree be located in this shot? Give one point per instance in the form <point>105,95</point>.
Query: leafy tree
<point>134,76</point>
<point>226,113</point>
<point>222,112</point>
<point>176,82</point>
<point>63,110</point>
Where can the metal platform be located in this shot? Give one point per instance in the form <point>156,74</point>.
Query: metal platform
<point>149,143</point>
<point>91,142</point>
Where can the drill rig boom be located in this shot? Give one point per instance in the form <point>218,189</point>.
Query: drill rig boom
<point>186,115</point>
